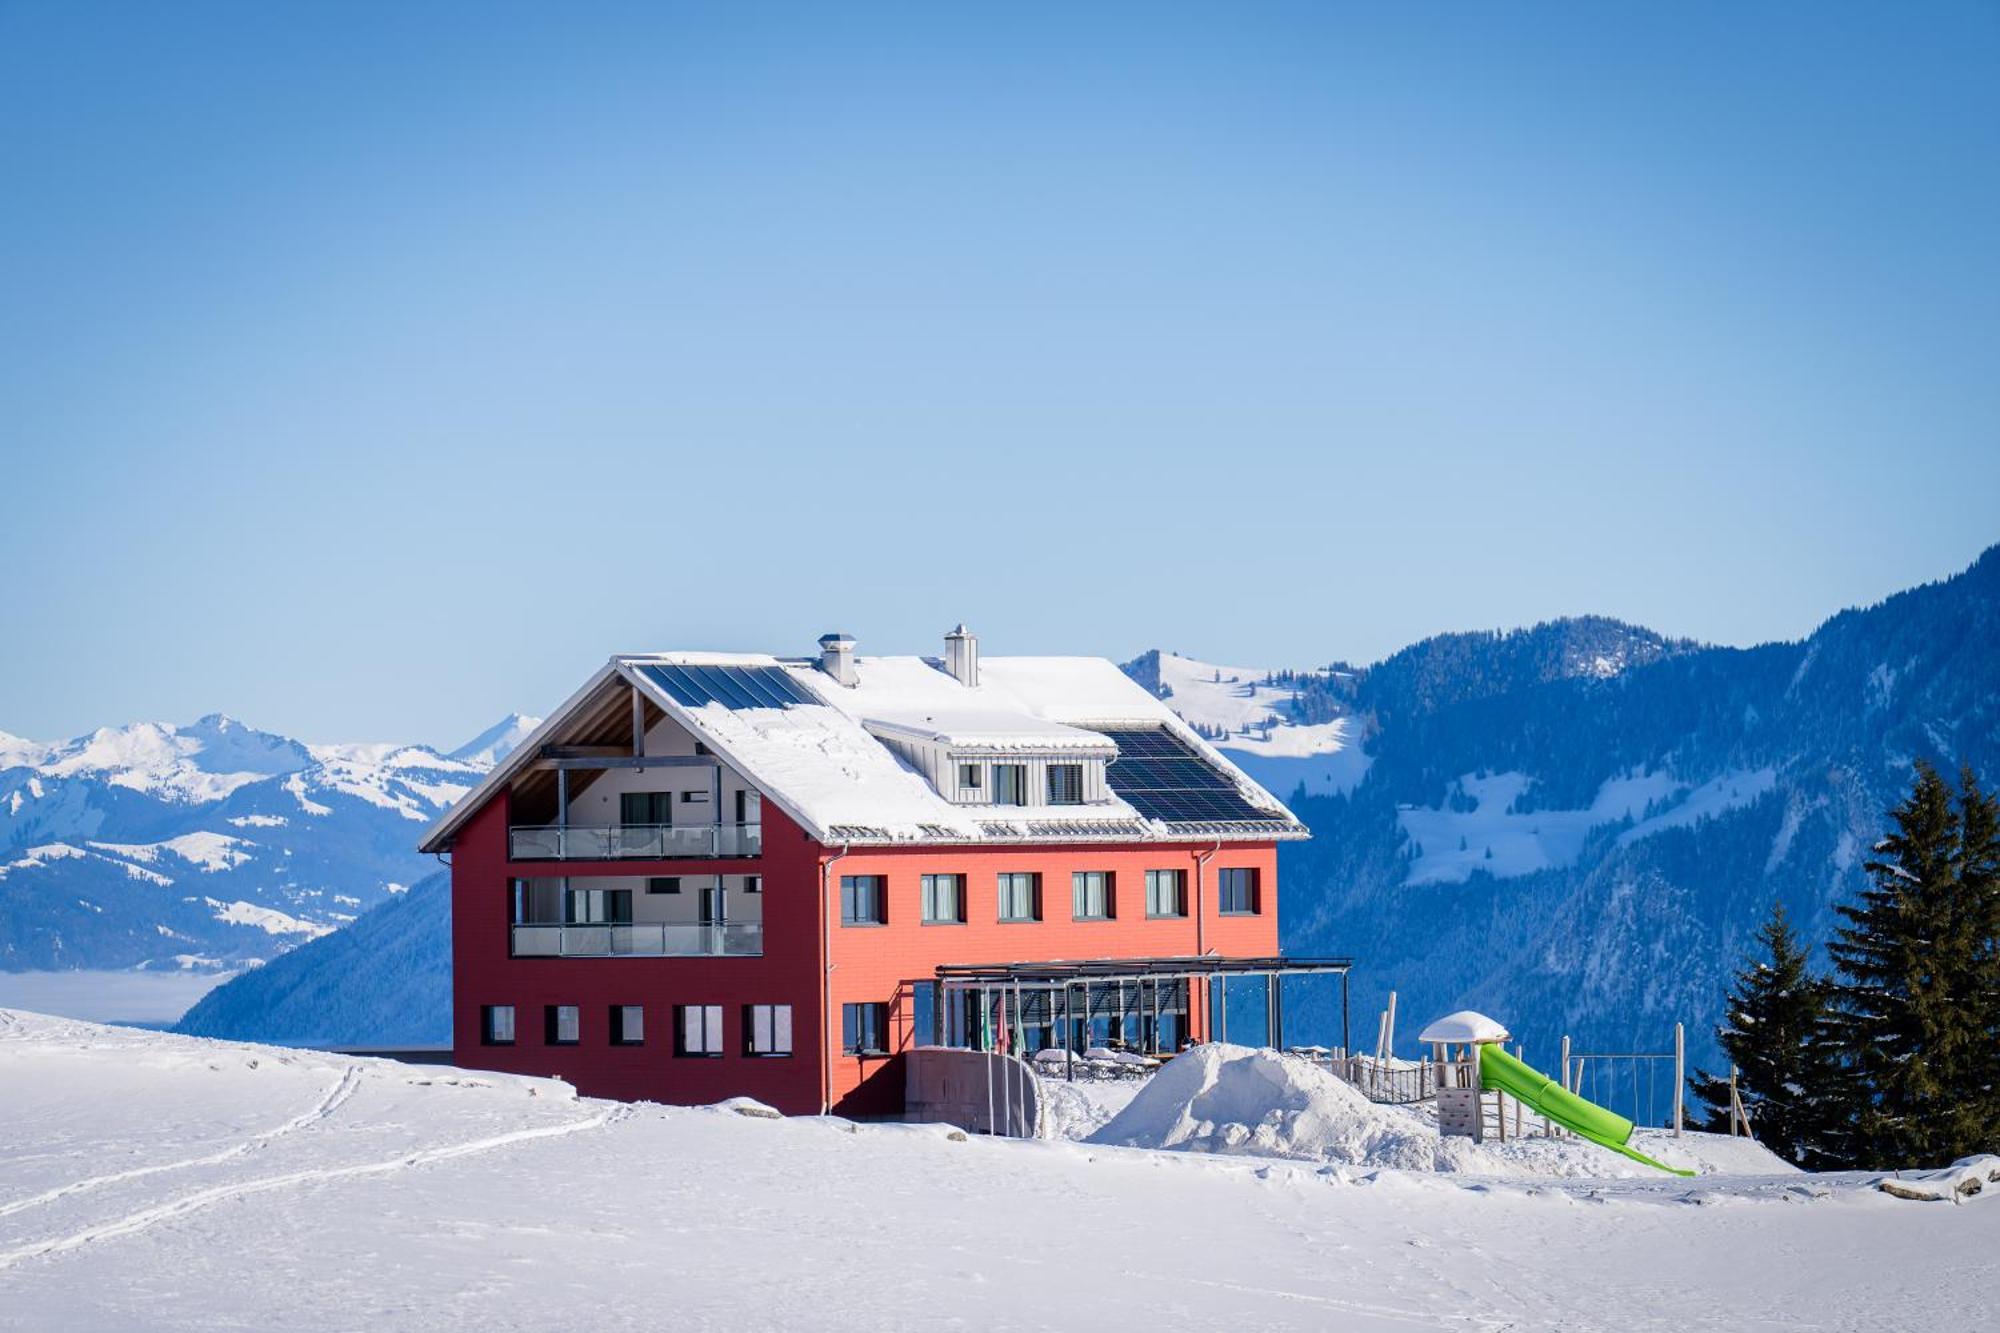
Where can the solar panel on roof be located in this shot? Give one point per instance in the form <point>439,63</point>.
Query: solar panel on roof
<point>1162,777</point>
<point>731,686</point>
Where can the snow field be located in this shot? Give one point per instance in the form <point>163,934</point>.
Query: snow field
<point>153,1181</point>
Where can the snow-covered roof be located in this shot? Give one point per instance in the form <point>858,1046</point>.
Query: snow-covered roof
<point>825,764</point>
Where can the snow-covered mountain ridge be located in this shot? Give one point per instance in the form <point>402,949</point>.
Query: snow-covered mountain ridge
<point>209,846</point>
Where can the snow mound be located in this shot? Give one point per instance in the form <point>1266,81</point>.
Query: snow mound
<point>1465,1027</point>
<point>1219,1098</point>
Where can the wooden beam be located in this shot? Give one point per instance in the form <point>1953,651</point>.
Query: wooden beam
<point>630,761</point>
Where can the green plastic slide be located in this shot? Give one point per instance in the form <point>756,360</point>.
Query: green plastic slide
<point>1501,1072</point>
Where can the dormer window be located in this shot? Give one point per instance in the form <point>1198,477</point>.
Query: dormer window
<point>1010,784</point>
<point>1065,784</point>
<point>972,778</point>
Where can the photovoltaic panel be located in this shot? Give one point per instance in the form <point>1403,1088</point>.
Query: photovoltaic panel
<point>731,686</point>
<point>1164,778</point>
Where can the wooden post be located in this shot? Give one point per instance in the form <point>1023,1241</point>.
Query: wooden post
<point>1732,1102</point>
<point>1389,1027</point>
<point>1680,1077</point>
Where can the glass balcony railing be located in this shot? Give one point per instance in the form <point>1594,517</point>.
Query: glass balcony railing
<point>733,939</point>
<point>634,842</point>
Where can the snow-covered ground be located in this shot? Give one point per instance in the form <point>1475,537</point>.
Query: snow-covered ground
<point>1324,758</point>
<point>151,1181</point>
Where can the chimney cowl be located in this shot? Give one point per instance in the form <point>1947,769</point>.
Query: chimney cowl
<point>836,658</point>
<point>961,656</point>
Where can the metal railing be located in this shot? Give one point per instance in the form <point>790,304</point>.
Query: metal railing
<point>640,842</point>
<point>733,939</point>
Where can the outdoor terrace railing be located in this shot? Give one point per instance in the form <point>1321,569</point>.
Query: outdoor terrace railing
<point>735,939</point>
<point>633,842</point>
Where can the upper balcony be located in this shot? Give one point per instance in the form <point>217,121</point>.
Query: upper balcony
<point>634,842</point>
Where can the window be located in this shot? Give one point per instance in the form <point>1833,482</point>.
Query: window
<point>698,1029</point>
<point>538,902</point>
<point>645,807</point>
<point>971,776</point>
<point>1166,893</point>
<point>694,798</point>
<point>1236,891</point>
<point>1020,897</point>
<point>664,884</point>
<point>862,901</point>
<point>1065,784</point>
<point>944,900</point>
<point>561,1025</point>
<point>600,907</point>
<point>628,1025</point>
<point>864,1029</point>
<point>767,1029</point>
<point>1090,895</point>
<point>753,884</point>
<point>496,1025</point>
<point>1010,784</point>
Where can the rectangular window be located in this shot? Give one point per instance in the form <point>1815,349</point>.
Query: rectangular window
<point>645,807</point>
<point>561,1025</point>
<point>864,1029</point>
<point>1090,895</point>
<point>496,1025</point>
<point>753,884</point>
<point>600,907</point>
<point>863,900</point>
<point>767,1029</point>
<point>1020,897</point>
<point>1236,891</point>
<point>944,900</point>
<point>628,1025</point>
<point>538,902</point>
<point>1065,784</point>
<point>1010,784</point>
<point>698,1029</point>
<point>1166,893</point>
<point>971,776</point>
<point>664,884</point>
<point>694,798</point>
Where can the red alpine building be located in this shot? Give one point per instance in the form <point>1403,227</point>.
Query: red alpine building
<point>709,875</point>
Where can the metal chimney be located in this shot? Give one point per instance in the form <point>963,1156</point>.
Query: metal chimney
<point>836,658</point>
<point>961,655</point>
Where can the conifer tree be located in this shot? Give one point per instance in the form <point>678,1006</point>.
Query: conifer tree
<point>1787,1075</point>
<point>1910,1009</point>
<point>1979,889</point>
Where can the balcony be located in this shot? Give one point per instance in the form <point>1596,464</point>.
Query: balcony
<point>735,939</point>
<point>634,842</point>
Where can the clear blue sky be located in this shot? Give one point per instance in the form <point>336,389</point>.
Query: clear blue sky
<point>369,370</point>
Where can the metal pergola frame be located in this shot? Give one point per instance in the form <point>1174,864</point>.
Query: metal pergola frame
<point>1052,978</point>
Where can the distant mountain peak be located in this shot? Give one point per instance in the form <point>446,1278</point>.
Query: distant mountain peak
<point>492,745</point>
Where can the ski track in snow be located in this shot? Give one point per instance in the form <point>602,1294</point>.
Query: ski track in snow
<point>338,1094</point>
<point>145,1218</point>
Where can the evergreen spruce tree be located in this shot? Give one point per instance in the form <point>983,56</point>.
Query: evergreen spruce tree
<point>1910,1010</point>
<point>1787,1075</point>
<point>1979,889</point>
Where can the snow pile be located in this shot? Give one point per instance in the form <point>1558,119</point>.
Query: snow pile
<point>1219,1098</point>
<point>1964,1179</point>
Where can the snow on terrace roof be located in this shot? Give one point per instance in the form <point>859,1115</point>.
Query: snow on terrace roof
<point>820,763</point>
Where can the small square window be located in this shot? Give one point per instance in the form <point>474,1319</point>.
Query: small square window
<point>1236,891</point>
<point>496,1025</point>
<point>864,900</point>
<point>971,776</point>
<point>753,884</point>
<point>562,1024</point>
<point>1020,897</point>
<point>767,1029</point>
<point>698,1030</point>
<point>864,1029</point>
<point>628,1025</point>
